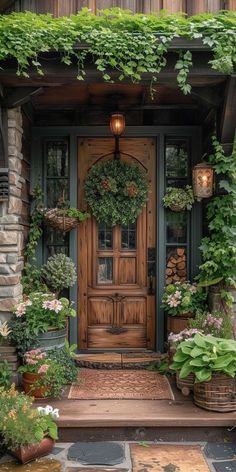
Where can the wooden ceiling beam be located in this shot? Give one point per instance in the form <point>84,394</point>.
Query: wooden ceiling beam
<point>19,96</point>
<point>5,4</point>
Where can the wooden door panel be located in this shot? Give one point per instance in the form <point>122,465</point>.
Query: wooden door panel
<point>133,311</point>
<point>127,271</point>
<point>115,308</point>
<point>131,338</point>
<point>100,311</point>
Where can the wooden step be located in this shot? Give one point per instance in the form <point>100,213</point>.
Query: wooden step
<point>113,360</point>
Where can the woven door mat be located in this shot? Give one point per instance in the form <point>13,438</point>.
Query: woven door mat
<point>120,384</point>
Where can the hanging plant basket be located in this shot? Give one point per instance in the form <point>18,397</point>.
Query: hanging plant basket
<point>58,218</point>
<point>116,192</point>
<point>179,199</point>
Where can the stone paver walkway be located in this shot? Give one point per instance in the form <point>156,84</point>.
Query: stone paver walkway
<point>131,457</point>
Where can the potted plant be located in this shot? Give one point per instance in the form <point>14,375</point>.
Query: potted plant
<point>28,433</point>
<point>212,361</point>
<point>216,324</point>
<point>40,320</point>
<point>42,376</point>
<point>186,384</point>
<point>181,300</point>
<point>179,199</point>
<point>59,273</point>
<point>64,219</point>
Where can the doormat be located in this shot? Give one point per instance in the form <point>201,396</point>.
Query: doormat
<point>120,385</point>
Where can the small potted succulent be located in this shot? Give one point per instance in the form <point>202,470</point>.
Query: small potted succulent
<point>27,432</point>
<point>212,361</point>
<point>179,199</point>
<point>42,376</point>
<point>181,300</point>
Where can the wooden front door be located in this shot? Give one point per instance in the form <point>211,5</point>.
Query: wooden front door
<point>116,281</point>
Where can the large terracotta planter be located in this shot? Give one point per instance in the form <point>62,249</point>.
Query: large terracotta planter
<point>178,323</point>
<point>29,380</point>
<point>26,454</point>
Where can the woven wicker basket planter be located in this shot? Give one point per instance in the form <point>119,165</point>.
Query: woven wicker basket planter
<point>219,394</point>
<point>185,385</point>
<point>54,218</point>
<point>177,207</point>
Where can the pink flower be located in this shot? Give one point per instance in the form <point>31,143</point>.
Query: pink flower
<point>53,305</point>
<point>43,369</point>
<point>178,294</point>
<point>46,305</point>
<point>20,310</point>
<point>173,302</point>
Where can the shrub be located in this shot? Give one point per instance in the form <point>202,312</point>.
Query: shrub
<point>59,272</point>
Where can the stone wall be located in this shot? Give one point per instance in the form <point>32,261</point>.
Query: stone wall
<point>14,218</point>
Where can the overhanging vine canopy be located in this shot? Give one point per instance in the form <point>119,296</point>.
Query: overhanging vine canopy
<point>132,44</point>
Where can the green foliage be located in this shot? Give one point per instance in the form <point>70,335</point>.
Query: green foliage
<point>181,197</point>
<point>5,375</point>
<point>180,298</point>
<point>217,324</point>
<point>31,279</point>
<point>63,357</point>
<point>73,213</point>
<point>59,272</point>
<point>116,192</point>
<point>131,44</point>
<point>219,249</point>
<point>205,355</point>
<point>20,423</point>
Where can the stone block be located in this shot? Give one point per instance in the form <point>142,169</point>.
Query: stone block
<point>8,249</point>
<point>16,192</point>
<point>17,267</point>
<point>15,164</point>
<point>8,237</point>
<point>11,258</point>
<point>9,280</point>
<point>15,205</point>
<point>7,304</point>
<point>9,220</point>
<point>3,258</point>
<point>5,269</point>
<point>13,291</point>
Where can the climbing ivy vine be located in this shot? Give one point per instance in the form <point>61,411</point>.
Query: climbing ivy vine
<point>131,44</point>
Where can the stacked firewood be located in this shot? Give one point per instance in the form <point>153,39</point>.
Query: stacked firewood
<point>176,269</point>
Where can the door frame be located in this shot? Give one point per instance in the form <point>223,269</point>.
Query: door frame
<point>159,132</point>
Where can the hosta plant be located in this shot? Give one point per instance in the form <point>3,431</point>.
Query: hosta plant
<point>204,356</point>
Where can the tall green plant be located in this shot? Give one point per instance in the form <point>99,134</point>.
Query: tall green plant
<point>219,248</point>
<point>31,279</point>
<point>131,44</point>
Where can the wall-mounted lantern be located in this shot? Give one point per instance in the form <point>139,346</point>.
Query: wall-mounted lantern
<point>117,126</point>
<point>203,180</point>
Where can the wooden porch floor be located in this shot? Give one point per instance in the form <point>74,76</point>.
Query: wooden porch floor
<point>180,413</point>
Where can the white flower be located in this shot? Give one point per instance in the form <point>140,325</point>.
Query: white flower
<point>48,410</point>
<point>20,310</point>
<point>4,330</point>
<point>178,294</point>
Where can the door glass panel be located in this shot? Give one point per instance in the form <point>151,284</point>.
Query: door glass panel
<point>105,270</point>
<point>128,236</point>
<point>176,158</point>
<point>57,158</point>
<point>57,190</point>
<point>104,236</point>
<point>176,227</point>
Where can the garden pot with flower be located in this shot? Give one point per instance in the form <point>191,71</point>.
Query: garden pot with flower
<point>40,321</point>
<point>42,377</point>
<point>28,433</point>
<point>181,300</point>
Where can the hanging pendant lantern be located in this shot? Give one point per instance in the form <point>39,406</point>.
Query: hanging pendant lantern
<point>203,177</point>
<point>117,124</point>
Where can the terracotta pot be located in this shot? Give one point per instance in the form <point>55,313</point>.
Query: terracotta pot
<point>178,323</point>
<point>29,380</point>
<point>26,454</point>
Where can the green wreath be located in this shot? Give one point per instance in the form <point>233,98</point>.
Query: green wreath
<point>116,192</point>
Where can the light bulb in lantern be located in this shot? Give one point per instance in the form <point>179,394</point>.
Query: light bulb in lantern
<point>203,176</point>
<point>117,124</point>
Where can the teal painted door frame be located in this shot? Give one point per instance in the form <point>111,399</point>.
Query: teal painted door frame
<point>159,132</point>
